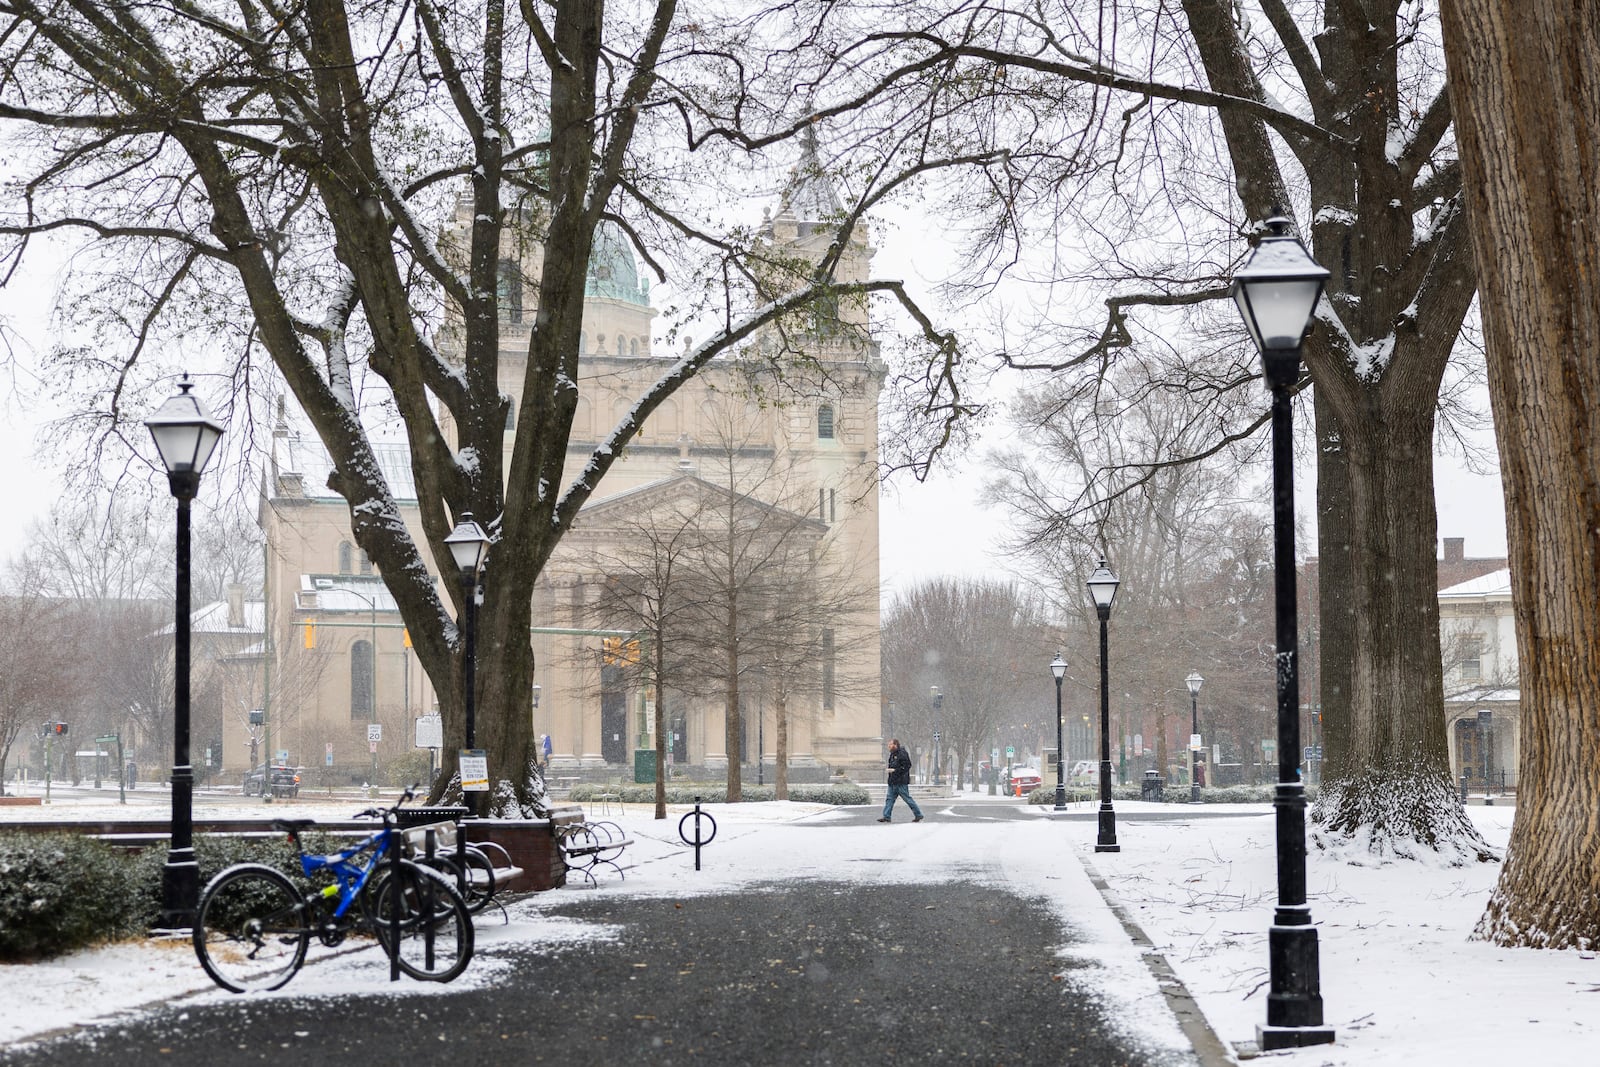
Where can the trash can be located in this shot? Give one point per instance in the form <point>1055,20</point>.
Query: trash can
<point>1150,788</point>
<point>133,774</point>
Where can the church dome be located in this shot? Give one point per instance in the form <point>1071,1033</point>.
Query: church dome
<point>613,272</point>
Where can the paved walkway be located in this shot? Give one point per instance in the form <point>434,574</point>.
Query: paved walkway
<point>817,973</point>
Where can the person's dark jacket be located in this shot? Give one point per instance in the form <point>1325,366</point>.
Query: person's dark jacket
<point>899,767</point>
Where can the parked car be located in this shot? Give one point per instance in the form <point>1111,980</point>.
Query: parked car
<point>1026,778</point>
<point>285,782</point>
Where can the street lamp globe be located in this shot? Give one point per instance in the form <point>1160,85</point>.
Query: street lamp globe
<point>185,432</point>
<point>1278,287</point>
<point>468,544</point>
<point>1193,682</point>
<point>1103,588</point>
<point>1058,667</point>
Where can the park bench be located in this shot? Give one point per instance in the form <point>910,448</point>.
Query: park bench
<point>587,845</point>
<point>481,868</point>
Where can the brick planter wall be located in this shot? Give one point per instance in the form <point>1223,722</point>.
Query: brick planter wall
<point>531,843</point>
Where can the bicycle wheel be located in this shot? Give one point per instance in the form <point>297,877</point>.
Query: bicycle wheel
<point>434,925</point>
<point>250,931</point>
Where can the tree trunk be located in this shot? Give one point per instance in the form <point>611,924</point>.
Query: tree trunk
<point>780,773</point>
<point>1524,79</point>
<point>1387,780</point>
<point>661,726</point>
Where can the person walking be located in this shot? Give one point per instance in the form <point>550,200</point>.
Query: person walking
<point>899,782</point>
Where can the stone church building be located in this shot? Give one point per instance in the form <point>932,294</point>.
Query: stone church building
<point>339,692</point>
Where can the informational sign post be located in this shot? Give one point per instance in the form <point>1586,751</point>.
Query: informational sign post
<point>474,770</point>
<point>430,731</point>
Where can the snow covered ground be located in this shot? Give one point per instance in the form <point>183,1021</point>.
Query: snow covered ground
<point>1401,982</point>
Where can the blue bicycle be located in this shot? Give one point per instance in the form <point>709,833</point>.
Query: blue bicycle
<point>254,925</point>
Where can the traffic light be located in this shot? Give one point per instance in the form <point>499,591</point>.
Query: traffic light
<point>58,727</point>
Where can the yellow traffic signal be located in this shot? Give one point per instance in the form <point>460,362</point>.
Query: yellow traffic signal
<point>311,635</point>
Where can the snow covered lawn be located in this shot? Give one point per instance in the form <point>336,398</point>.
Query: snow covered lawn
<point>1401,982</point>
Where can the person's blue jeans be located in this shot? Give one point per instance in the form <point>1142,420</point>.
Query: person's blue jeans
<point>899,791</point>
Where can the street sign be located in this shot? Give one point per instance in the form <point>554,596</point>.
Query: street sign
<point>430,731</point>
<point>1313,753</point>
<point>106,739</point>
<point>374,732</point>
<point>1010,751</point>
<point>1194,743</point>
<point>327,756</point>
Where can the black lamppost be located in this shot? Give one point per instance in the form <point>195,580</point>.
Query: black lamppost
<point>468,545</point>
<point>1103,589</point>
<point>1193,682</point>
<point>185,435</point>
<point>938,714</point>
<point>1277,291</point>
<point>1058,667</point>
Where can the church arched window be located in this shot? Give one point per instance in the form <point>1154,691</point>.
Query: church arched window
<point>825,421</point>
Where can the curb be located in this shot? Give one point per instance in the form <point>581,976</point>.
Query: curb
<point>1209,1049</point>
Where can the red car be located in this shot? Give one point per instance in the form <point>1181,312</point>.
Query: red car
<point>1025,778</point>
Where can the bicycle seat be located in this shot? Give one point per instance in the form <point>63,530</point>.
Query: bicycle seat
<point>293,825</point>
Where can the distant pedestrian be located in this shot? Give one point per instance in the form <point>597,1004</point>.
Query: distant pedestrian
<point>899,782</point>
<point>546,746</point>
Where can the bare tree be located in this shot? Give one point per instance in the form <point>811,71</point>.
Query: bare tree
<point>279,183</point>
<point>773,597</point>
<point>39,656</point>
<point>1155,145</point>
<point>1523,78</point>
<point>985,644</point>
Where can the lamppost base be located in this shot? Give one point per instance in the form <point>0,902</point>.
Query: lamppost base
<point>1270,1038</point>
<point>1105,839</point>
<point>180,891</point>
<point>1061,797</point>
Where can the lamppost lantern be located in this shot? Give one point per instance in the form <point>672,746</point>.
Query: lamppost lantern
<point>1193,682</point>
<point>185,435</point>
<point>537,690</point>
<point>468,544</point>
<point>1103,588</point>
<point>1058,667</point>
<point>1277,290</point>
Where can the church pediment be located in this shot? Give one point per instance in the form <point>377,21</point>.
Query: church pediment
<point>683,492</point>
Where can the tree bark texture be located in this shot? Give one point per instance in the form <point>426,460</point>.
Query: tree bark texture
<point>1525,81</point>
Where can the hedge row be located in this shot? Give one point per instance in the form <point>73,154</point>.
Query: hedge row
<point>61,892</point>
<point>809,793</point>
<point>1173,794</point>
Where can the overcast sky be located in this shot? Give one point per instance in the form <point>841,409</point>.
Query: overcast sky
<point>928,529</point>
